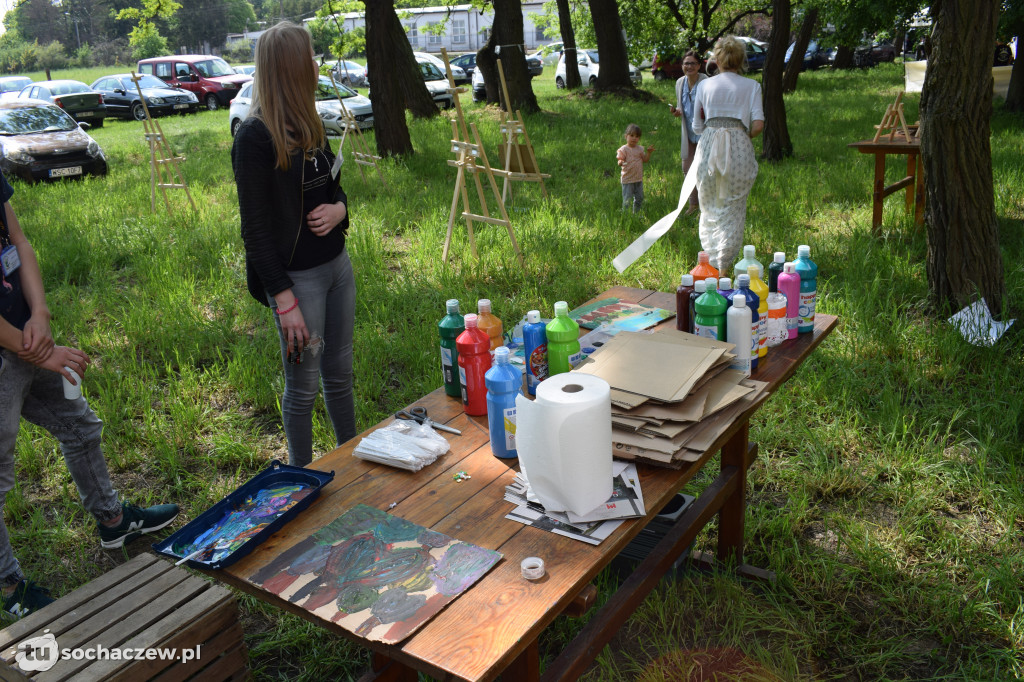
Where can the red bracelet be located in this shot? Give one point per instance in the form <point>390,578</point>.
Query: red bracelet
<point>288,310</point>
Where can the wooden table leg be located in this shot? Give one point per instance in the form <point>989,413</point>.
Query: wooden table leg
<point>731,517</point>
<point>911,189</point>
<point>878,198</point>
<point>919,191</point>
<point>526,666</point>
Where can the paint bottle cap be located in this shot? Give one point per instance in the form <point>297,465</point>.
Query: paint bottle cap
<point>452,304</point>
<point>700,286</point>
<point>686,280</point>
<point>483,306</point>
<point>703,257</point>
<point>789,268</point>
<point>533,317</point>
<point>743,281</point>
<point>712,283</point>
<point>803,251</point>
<point>561,308</point>
<point>739,301</point>
<point>725,283</point>
<point>748,251</point>
<point>780,256</point>
<point>501,355</point>
<point>470,321</point>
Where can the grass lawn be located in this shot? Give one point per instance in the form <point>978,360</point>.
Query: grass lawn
<point>889,492</point>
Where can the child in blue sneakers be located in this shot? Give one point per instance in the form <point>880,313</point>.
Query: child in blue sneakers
<point>31,367</point>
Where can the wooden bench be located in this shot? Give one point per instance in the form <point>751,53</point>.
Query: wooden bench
<point>147,606</point>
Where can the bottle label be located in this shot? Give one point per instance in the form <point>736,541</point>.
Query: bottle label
<point>742,364</point>
<point>446,365</point>
<point>762,330</point>
<point>706,331</point>
<point>755,342</point>
<point>791,323</point>
<point>575,358</point>
<point>537,365</point>
<point>807,303</point>
<point>462,381</point>
<point>509,418</point>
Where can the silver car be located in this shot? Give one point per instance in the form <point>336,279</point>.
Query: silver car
<point>327,105</point>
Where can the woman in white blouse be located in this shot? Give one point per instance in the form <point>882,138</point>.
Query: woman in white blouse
<point>727,115</point>
<point>686,91</point>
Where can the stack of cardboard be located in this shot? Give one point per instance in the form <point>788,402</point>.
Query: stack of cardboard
<point>672,394</point>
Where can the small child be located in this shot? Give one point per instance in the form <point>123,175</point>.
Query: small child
<point>632,158</point>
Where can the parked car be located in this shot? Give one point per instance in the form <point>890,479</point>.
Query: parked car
<point>208,78</point>
<point>589,64</point>
<point>327,106</point>
<point>458,74</point>
<point>40,141</point>
<point>80,101</point>
<point>755,51</point>
<point>437,84</point>
<point>534,65</point>
<point>1003,54</point>
<point>122,97</point>
<point>10,86</point>
<point>350,73</point>
<point>245,69</point>
<point>884,51</point>
<point>816,55</point>
<point>550,53</point>
<point>466,62</point>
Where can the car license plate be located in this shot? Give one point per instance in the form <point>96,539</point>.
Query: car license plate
<point>86,113</point>
<point>64,172</point>
<point>181,106</point>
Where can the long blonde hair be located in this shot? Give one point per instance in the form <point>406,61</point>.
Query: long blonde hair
<point>284,92</point>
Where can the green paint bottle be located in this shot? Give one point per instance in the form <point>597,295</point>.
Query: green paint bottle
<point>563,341</point>
<point>450,326</point>
<point>710,309</point>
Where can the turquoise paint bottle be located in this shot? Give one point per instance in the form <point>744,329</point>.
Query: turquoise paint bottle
<point>808,271</point>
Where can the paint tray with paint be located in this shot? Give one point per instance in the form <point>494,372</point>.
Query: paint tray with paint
<point>258,508</point>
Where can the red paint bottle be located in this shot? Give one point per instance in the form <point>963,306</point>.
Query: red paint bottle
<point>474,346</point>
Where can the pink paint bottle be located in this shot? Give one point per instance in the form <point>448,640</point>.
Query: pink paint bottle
<point>789,285</point>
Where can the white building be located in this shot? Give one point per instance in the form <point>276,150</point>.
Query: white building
<point>466,29</point>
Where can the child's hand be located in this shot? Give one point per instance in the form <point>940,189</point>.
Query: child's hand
<point>650,149</point>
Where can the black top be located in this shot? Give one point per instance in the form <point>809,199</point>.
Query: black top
<point>273,205</point>
<point>13,306</point>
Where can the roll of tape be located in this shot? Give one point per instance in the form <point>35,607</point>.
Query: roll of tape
<point>533,568</point>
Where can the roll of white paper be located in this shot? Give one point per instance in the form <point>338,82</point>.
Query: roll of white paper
<point>564,440</point>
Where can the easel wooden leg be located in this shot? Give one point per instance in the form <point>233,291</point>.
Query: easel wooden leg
<point>459,179</point>
<point>501,204</point>
<point>533,156</point>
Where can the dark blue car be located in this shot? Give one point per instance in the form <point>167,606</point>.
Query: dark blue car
<point>815,56</point>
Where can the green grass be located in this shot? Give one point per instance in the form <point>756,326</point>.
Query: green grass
<point>888,496</point>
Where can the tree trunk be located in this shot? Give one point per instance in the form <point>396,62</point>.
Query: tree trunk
<point>386,95</point>
<point>572,69</point>
<point>796,61</point>
<point>506,43</point>
<point>964,261</point>
<point>611,45</point>
<point>1015,93</point>
<point>844,57</point>
<point>403,66</point>
<point>776,145</point>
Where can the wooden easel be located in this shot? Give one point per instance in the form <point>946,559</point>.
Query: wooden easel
<point>893,121</point>
<point>162,159</point>
<point>511,129</point>
<point>472,160</point>
<point>359,146</point>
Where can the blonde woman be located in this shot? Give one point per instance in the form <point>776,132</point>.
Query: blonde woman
<point>727,116</point>
<point>294,220</point>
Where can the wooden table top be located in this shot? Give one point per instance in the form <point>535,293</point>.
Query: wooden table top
<point>898,145</point>
<point>482,631</point>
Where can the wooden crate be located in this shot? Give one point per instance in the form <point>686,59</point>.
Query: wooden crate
<point>148,604</point>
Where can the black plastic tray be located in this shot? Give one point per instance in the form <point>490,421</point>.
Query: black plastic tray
<point>275,474</point>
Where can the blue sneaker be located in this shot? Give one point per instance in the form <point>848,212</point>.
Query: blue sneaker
<point>26,598</point>
<point>136,522</point>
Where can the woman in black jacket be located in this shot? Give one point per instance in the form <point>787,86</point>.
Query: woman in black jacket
<point>294,221</point>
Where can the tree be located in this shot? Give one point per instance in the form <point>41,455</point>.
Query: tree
<point>964,259</point>
<point>777,144</point>
<point>507,32</point>
<point>611,44</point>
<point>703,22</point>
<point>386,95</point>
<point>144,38</point>
<point>803,39</point>
<point>565,30</point>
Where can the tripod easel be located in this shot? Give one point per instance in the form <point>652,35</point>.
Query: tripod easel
<point>161,158</point>
<point>360,148</point>
<point>893,121</point>
<point>511,129</point>
<point>472,160</point>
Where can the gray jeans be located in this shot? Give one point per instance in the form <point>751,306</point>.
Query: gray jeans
<point>633,192</point>
<point>38,395</point>
<point>327,299</point>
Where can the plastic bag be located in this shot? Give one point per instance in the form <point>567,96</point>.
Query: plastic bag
<point>403,444</point>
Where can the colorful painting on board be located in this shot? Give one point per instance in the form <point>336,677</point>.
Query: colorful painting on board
<point>376,575</point>
<point>625,316</point>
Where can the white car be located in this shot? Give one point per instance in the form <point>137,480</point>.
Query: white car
<point>589,64</point>
<point>437,83</point>
<point>327,105</point>
<point>458,73</point>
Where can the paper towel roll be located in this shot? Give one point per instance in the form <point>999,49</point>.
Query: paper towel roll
<point>564,440</point>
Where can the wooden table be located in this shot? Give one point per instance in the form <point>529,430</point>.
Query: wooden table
<point>494,626</point>
<point>913,182</point>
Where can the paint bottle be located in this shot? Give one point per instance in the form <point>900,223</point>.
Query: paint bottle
<point>450,326</point>
<point>748,259</point>
<point>474,348</point>
<point>808,271</point>
<point>684,320</point>
<point>488,323</point>
<point>725,289</point>
<point>789,284</point>
<point>775,269</point>
<point>504,382</point>
<point>535,346</point>
<point>704,267</point>
<point>563,341</point>
<point>777,332</point>
<point>753,305</point>
<point>710,308</point>
<point>699,287</point>
<point>739,328</point>
<point>758,286</point>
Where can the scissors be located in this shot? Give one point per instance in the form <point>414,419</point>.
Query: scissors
<point>419,415</point>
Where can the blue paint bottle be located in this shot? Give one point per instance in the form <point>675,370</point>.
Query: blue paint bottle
<point>504,382</point>
<point>535,347</point>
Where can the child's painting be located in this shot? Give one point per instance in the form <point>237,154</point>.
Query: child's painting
<point>374,574</point>
<point>632,317</point>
